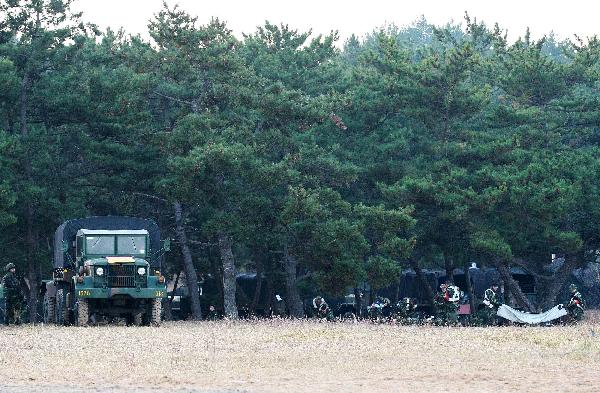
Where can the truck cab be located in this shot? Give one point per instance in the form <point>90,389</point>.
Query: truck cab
<point>106,273</point>
<point>112,260</point>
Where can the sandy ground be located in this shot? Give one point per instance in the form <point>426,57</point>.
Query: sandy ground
<point>299,356</point>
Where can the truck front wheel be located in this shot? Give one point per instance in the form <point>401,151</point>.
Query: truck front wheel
<point>83,312</point>
<point>155,311</point>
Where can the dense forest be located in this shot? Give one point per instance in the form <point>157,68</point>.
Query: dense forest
<point>312,162</point>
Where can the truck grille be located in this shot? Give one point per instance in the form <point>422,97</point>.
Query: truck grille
<point>121,276</point>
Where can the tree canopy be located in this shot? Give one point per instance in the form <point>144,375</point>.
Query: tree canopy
<point>317,165</point>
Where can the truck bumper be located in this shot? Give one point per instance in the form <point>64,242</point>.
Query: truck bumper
<point>87,290</point>
<point>106,293</point>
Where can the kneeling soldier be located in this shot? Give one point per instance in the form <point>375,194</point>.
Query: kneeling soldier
<point>492,301</point>
<point>447,302</point>
<point>575,306</point>
<point>322,309</point>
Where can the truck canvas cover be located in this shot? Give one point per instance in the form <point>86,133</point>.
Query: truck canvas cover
<point>66,233</point>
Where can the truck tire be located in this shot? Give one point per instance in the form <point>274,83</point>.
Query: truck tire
<point>83,312</point>
<point>155,311</point>
<point>138,318</point>
<point>49,309</point>
<point>61,308</point>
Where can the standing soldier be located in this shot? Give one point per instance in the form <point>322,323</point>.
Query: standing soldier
<point>447,302</point>
<point>12,295</point>
<point>492,301</point>
<point>278,307</point>
<point>575,306</point>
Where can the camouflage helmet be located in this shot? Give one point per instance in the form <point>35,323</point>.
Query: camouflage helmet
<point>572,287</point>
<point>10,266</point>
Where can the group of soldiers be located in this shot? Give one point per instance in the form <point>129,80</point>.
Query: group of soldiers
<point>447,301</point>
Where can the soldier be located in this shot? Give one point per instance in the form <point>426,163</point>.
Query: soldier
<point>381,309</point>
<point>406,310</point>
<point>212,313</point>
<point>322,308</point>
<point>575,305</point>
<point>447,302</point>
<point>492,301</point>
<point>13,296</point>
<point>278,307</point>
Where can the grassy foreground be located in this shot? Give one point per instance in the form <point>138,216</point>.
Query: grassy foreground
<point>303,356</point>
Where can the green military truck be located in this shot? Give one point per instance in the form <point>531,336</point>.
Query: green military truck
<point>106,267</point>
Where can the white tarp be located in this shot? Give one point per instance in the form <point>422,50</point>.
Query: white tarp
<point>523,317</point>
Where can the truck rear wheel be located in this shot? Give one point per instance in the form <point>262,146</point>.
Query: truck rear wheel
<point>49,309</point>
<point>83,312</point>
<point>61,308</point>
<point>138,318</point>
<point>155,311</point>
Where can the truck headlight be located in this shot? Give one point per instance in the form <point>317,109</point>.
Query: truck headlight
<point>99,271</point>
<point>141,271</point>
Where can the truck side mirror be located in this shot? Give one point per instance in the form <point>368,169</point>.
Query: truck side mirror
<point>167,244</point>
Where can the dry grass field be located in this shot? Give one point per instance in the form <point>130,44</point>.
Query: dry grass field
<point>300,356</point>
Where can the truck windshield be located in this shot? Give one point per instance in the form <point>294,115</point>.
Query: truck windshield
<point>131,245</point>
<point>100,245</point>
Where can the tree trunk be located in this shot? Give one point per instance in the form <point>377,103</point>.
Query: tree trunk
<point>449,267</point>
<point>512,286</point>
<point>229,283</point>
<point>24,103</point>
<point>469,286</point>
<point>188,263</point>
<point>32,266</point>
<point>358,298</point>
<point>169,303</point>
<point>257,290</point>
<point>270,294</point>
<point>294,302</point>
<point>396,290</point>
<point>217,271</point>
<point>31,239</point>
<point>428,290</point>
<point>549,292</point>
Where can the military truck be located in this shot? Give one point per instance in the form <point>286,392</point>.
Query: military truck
<point>106,267</point>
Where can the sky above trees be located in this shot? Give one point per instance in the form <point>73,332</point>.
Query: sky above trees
<point>357,16</point>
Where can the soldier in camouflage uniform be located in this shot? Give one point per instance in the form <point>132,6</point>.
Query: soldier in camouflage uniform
<point>575,306</point>
<point>278,308</point>
<point>380,309</point>
<point>12,295</point>
<point>406,311</point>
<point>212,315</point>
<point>447,303</point>
<point>491,301</point>
<point>322,309</point>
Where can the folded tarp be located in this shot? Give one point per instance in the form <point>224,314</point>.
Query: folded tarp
<point>533,319</point>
